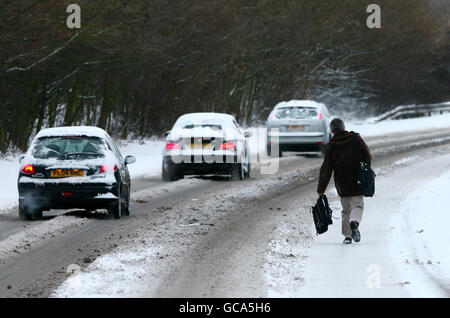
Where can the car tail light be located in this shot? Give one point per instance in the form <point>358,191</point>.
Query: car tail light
<point>320,116</point>
<point>319,143</point>
<point>67,194</point>
<point>228,146</point>
<point>106,168</point>
<point>172,146</point>
<point>271,116</point>
<point>29,169</point>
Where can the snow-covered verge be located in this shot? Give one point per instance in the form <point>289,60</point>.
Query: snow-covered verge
<point>119,274</point>
<point>8,171</point>
<point>369,128</point>
<point>148,155</point>
<point>420,239</point>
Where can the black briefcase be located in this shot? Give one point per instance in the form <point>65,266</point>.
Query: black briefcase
<point>322,214</point>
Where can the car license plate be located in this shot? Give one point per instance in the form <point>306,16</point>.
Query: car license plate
<point>201,146</point>
<point>66,173</point>
<point>296,127</point>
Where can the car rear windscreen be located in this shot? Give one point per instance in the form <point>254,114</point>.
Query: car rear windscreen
<point>77,147</point>
<point>295,112</point>
<point>210,126</point>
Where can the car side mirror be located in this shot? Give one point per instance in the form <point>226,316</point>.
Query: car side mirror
<point>130,160</point>
<point>248,134</point>
<point>21,158</point>
<point>166,133</point>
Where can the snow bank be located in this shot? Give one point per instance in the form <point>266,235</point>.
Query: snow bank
<point>420,239</point>
<point>148,155</point>
<point>9,172</point>
<point>257,141</point>
<point>105,277</point>
<point>369,128</point>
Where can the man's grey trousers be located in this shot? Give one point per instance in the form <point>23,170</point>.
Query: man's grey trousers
<point>352,210</point>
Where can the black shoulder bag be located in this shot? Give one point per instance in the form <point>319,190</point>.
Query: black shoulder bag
<point>366,176</point>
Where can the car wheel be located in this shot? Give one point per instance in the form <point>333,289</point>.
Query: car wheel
<point>37,213</point>
<point>280,154</point>
<point>238,172</point>
<point>24,213</point>
<point>170,174</point>
<point>322,152</point>
<point>269,150</point>
<point>249,170</point>
<point>116,209</point>
<point>126,206</point>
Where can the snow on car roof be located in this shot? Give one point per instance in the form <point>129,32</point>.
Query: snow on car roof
<point>88,131</point>
<point>296,102</point>
<point>204,117</point>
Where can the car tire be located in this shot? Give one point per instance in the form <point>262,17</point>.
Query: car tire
<point>269,150</point>
<point>126,206</point>
<point>24,213</point>
<point>115,210</point>
<point>322,152</point>
<point>238,172</point>
<point>37,213</point>
<point>249,170</point>
<point>170,174</point>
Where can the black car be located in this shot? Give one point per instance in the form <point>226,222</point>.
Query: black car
<point>74,168</point>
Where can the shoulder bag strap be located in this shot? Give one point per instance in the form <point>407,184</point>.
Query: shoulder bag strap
<point>358,148</point>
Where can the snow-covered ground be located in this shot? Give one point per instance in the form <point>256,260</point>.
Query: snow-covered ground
<point>420,238</point>
<point>118,274</point>
<point>370,128</point>
<point>8,171</point>
<point>148,155</point>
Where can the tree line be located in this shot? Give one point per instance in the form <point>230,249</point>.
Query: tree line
<point>135,66</point>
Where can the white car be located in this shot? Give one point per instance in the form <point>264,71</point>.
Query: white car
<point>204,144</point>
<point>298,125</point>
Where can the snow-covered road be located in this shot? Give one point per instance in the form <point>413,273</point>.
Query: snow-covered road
<point>259,241</point>
<point>215,238</point>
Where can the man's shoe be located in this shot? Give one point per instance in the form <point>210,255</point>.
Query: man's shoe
<point>348,240</point>
<point>356,236</point>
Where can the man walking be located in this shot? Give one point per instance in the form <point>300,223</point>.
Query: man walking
<point>341,156</point>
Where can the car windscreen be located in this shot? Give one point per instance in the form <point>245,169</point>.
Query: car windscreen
<point>210,126</point>
<point>295,112</point>
<point>73,147</point>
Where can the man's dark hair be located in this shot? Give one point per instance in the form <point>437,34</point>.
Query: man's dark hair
<point>337,125</point>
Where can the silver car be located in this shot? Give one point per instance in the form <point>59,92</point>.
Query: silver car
<point>206,143</point>
<point>298,125</point>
